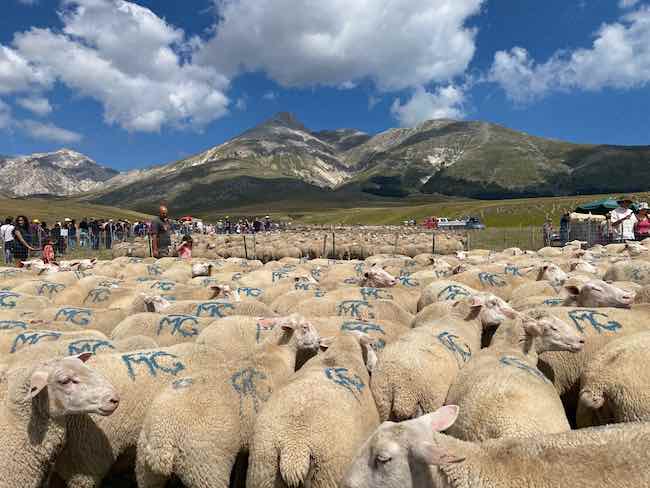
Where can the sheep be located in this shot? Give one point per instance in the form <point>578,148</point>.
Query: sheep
<point>128,299</point>
<point>403,297</point>
<point>213,308</point>
<point>615,385</point>
<point>416,371</point>
<point>34,419</point>
<point>197,426</point>
<point>41,288</point>
<point>139,376</point>
<point>65,318</point>
<point>165,329</point>
<point>598,293</point>
<point>443,290</point>
<point>636,271</point>
<point>500,284</point>
<point>599,327</point>
<point>414,454</point>
<point>501,393</point>
<point>309,429</point>
<point>12,301</point>
<point>12,341</point>
<point>355,309</point>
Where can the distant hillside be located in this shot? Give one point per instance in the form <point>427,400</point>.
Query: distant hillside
<point>281,159</point>
<point>63,172</point>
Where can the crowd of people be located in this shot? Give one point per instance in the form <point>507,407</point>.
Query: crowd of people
<point>21,236</point>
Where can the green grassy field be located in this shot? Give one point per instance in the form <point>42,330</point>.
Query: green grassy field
<point>52,209</point>
<point>515,213</point>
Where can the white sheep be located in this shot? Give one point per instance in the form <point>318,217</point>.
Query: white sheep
<point>416,371</point>
<point>309,429</point>
<point>501,393</point>
<point>615,385</point>
<point>197,426</point>
<point>414,454</point>
<point>34,419</point>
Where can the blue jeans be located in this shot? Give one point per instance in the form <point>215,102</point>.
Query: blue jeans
<point>9,255</point>
<point>72,242</point>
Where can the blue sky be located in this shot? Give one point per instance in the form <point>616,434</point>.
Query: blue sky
<point>146,82</point>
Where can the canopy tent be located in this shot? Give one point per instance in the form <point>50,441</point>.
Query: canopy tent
<point>600,207</point>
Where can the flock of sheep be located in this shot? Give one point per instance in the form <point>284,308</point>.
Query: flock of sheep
<point>300,371</point>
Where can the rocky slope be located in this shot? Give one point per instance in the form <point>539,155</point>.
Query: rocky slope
<point>63,172</point>
<point>282,160</point>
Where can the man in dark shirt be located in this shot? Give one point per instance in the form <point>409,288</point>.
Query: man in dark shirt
<point>161,234</point>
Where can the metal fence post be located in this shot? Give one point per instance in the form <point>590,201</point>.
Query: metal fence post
<point>433,242</point>
<point>245,248</point>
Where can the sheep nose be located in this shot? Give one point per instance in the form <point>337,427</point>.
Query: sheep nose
<point>581,341</point>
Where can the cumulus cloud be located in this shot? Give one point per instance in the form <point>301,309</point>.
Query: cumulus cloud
<point>17,74</point>
<point>134,63</point>
<point>618,58</point>
<point>5,115</point>
<point>396,43</point>
<point>49,132</point>
<point>28,2</point>
<point>38,105</point>
<point>627,3</point>
<point>445,103</point>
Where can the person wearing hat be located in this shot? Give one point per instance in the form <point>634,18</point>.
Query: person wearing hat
<point>642,227</point>
<point>623,220</point>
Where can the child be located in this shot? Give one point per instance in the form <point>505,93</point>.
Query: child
<point>48,252</point>
<point>185,249</point>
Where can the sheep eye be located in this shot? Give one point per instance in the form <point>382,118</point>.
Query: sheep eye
<point>383,458</point>
<point>65,381</point>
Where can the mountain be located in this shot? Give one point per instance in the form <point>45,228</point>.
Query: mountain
<point>282,160</point>
<point>63,172</point>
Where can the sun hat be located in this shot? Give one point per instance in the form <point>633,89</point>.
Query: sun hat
<point>625,198</point>
<point>36,221</point>
<point>67,219</point>
<point>643,206</point>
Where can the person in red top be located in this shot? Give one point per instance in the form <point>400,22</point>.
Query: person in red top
<point>642,227</point>
<point>185,249</point>
<point>48,252</point>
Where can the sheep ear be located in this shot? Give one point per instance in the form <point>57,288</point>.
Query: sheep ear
<point>83,357</point>
<point>371,359</point>
<point>533,327</point>
<point>37,383</point>
<point>476,301</point>
<point>573,290</point>
<point>427,453</point>
<point>443,418</point>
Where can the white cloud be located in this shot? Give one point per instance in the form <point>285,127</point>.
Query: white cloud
<point>445,103</point>
<point>133,62</point>
<point>49,132</point>
<point>270,95</point>
<point>38,105</point>
<point>627,3</point>
<point>396,43</point>
<point>17,74</point>
<point>618,58</point>
<point>241,103</point>
<point>28,2</point>
<point>5,115</point>
<point>373,101</point>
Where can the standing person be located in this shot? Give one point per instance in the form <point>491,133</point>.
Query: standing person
<point>22,238</point>
<point>564,227</point>
<point>642,227</point>
<point>108,232</point>
<point>623,220</point>
<point>94,233</point>
<point>72,233</point>
<point>548,232</point>
<point>161,234</point>
<point>83,233</point>
<point>7,233</point>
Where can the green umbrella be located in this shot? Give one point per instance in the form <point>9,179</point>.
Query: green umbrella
<point>600,207</point>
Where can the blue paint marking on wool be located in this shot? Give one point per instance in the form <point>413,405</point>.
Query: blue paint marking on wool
<point>31,338</point>
<point>8,299</point>
<point>591,317</point>
<point>451,342</point>
<point>88,345</point>
<point>518,363</point>
<point>213,309</point>
<point>151,360</point>
<point>184,325</point>
<point>354,308</point>
<point>77,316</point>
